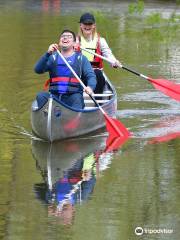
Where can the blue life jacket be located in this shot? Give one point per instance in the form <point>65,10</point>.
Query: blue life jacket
<point>64,81</point>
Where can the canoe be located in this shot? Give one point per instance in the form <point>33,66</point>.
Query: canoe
<point>56,120</point>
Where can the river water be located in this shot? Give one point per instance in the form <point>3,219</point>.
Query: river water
<point>136,186</point>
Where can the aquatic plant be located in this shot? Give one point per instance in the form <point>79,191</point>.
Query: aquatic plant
<point>154,18</point>
<point>137,7</point>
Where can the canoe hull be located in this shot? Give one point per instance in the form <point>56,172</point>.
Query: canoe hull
<point>66,123</point>
<point>55,120</point>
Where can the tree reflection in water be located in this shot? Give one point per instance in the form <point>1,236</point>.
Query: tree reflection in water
<point>53,5</point>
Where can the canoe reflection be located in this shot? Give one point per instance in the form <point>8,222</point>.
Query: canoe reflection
<point>69,169</point>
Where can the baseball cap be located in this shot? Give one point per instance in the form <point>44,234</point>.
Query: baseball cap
<point>87,18</point>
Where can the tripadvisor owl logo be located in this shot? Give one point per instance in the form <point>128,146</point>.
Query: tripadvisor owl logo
<point>139,231</point>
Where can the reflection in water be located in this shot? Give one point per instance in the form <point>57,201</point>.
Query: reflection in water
<point>51,5</point>
<point>70,169</point>
<point>167,128</point>
<point>144,179</point>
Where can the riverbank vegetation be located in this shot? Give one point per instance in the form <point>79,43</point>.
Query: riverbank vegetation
<point>138,9</point>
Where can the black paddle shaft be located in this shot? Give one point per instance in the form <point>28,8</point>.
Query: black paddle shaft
<point>94,100</point>
<point>132,71</point>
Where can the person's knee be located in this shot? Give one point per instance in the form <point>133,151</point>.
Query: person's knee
<point>43,95</point>
<point>76,101</point>
<point>42,98</point>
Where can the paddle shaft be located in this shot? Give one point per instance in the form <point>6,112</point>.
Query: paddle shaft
<point>110,61</point>
<point>132,71</point>
<point>167,87</point>
<point>81,82</point>
<point>114,127</point>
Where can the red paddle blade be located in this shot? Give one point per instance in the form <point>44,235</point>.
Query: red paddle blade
<point>167,87</point>
<point>116,128</point>
<point>113,144</point>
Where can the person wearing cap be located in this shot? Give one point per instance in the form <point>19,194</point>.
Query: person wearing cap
<point>62,83</point>
<point>90,39</point>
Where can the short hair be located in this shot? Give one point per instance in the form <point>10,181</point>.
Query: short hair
<point>69,31</point>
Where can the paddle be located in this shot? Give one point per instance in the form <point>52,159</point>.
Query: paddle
<point>113,144</point>
<point>113,126</point>
<point>167,87</point>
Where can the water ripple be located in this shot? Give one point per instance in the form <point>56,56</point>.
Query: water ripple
<point>132,113</point>
<point>150,96</point>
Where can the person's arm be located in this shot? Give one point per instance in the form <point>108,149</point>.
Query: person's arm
<point>106,52</point>
<point>88,73</point>
<point>43,64</point>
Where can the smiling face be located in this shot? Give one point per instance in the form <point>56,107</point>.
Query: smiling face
<point>87,29</point>
<point>66,41</point>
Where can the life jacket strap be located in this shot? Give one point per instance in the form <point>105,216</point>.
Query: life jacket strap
<point>46,85</point>
<point>64,79</point>
<point>59,79</point>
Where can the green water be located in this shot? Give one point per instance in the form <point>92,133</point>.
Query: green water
<point>138,186</point>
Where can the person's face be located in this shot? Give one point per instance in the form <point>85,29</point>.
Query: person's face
<point>66,214</point>
<point>87,29</point>
<point>66,40</point>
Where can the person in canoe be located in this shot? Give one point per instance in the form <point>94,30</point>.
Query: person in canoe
<point>62,84</point>
<point>89,38</point>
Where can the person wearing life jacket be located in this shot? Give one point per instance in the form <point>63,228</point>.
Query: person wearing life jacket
<point>62,83</point>
<point>90,39</point>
